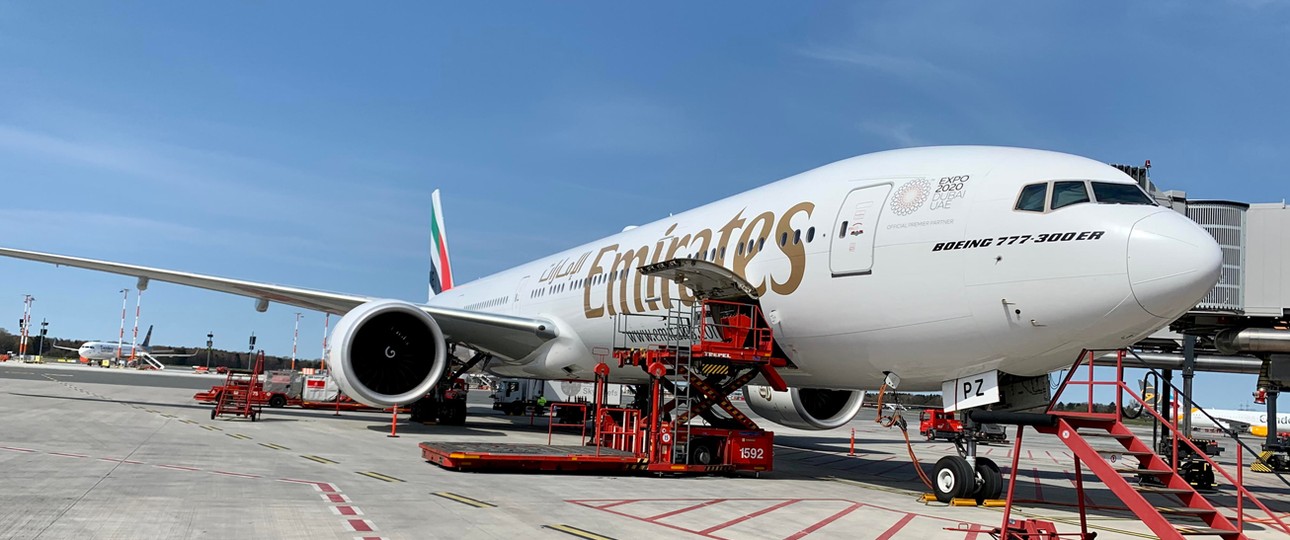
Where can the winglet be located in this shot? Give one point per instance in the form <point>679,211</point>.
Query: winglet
<point>440,267</point>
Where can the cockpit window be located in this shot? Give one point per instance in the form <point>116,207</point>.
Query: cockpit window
<point>1068,192</point>
<point>1032,198</point>
<point>1109,193</point>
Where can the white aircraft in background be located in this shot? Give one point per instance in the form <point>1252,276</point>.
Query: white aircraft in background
<point>1252,422</point>
<point>91,351</point>
<point>932,264</point>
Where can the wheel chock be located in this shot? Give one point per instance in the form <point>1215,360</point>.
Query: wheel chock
<point>927,497</point>
<point>962,502</point>
<point>995,503</point>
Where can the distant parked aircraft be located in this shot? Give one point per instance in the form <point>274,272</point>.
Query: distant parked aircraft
<point>110,350</point>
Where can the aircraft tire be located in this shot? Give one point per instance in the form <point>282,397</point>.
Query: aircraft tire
<point>991,486</point>
<point>953,479</point>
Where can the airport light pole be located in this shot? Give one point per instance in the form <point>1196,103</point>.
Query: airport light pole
<point>210,340</point>
<point>120,337</point>
<point>24,324</point>
<point>295,337</point>
<point>44,329</point>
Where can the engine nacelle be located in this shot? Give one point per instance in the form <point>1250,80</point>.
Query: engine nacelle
<point>387,352</point>
<point>804,408</point>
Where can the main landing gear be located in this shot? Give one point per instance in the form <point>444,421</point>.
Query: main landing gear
<point>967,476</point>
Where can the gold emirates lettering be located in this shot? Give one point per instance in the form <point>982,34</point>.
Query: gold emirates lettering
<point>625,290</point>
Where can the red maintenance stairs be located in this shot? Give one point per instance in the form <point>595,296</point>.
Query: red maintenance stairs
<point>696,358</point>
<point>241,391</point>
<point>1175,508</point>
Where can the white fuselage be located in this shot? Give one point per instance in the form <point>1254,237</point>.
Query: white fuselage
<point>104,350</point>
<point>934,275</point>
<point>1257,421</point>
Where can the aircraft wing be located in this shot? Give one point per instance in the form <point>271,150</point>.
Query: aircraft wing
<point>506,336</point>
<point>171,354</point>
<point>66,348</point>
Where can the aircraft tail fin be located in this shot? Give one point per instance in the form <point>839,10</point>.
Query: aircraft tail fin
<point>440,267</point>
<point>147,338</point>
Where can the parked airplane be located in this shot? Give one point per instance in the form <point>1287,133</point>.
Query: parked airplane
<point>1252,422</point>
<point>944,266</point>
<point>110,350</point>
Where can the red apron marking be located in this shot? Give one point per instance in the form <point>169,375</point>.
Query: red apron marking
<point>1030,454</point>
<point>1052,457</point>
<point>347,510</point>
<point>335,498</point>
<point>17,449</point>
<point>747,517</point>
<point>603,506</point>
<point>686,509</point>
<point>293,481</point>
<point>1039,490</point>
<point>325,487</point>
<point>988,451</point>
<point>360,525</point>
<point>67,455</point>
<point>178,467</point>
<point>897,527</point>
<point>826,521</point>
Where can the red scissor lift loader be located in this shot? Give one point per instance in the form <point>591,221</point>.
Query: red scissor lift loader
<point>700,352</point>
<point>240,391</point>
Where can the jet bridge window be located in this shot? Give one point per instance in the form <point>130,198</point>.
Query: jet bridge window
<point>1109,193</point>
<point>1066,193</point>
<point>1032,198</point>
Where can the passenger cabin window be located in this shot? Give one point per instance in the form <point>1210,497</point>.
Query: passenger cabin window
<point>1109,193</point>
<point>1032,198</point>
<point>1066,193</point>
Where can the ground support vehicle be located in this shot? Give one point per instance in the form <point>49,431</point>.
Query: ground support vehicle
<point>445,404</point>
<point>517,397</point>
<point>659,434</point>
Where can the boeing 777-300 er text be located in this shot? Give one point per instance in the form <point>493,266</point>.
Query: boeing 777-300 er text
<point>932,264</point>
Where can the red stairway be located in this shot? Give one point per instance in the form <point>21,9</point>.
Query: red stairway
<point>1173,498</point>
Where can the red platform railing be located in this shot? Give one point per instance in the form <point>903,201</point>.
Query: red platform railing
<point>1087,362</point>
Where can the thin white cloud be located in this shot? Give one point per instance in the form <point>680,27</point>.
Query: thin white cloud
<point>900,134</point>
<point>906,66</point>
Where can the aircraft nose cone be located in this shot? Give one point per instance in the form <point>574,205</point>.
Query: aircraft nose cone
<point>1173,263</point>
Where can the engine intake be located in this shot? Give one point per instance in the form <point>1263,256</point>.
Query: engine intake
<point>387,352</point>
<point>804,408</point>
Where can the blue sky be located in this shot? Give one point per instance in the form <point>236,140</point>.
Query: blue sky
<point>298,143</point>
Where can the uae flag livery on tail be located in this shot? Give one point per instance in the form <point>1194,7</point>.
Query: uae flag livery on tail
<point>440,268</point>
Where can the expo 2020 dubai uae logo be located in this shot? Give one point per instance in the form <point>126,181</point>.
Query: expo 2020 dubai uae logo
<point>910,197</point>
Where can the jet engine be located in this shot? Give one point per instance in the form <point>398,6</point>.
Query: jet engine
<point>387,352</point>
<point>804,408</point>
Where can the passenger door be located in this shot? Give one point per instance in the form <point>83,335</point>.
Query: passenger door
<point>851,252</point>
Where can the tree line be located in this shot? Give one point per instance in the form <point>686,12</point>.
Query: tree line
<point>218,357</point>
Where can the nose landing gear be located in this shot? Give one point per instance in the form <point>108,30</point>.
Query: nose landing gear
<point>967,476</point>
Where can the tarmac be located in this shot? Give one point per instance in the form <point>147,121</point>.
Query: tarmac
<point>97,453</point>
